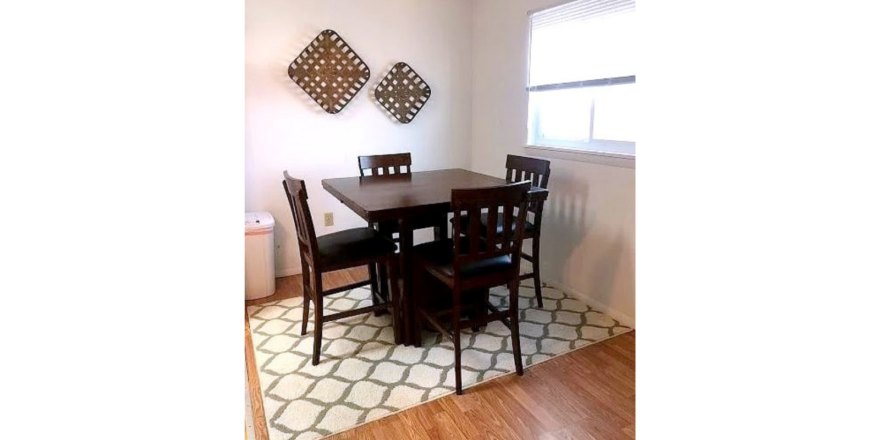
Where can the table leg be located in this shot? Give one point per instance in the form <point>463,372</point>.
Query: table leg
<point>383,272</point>
<point>406,271</point>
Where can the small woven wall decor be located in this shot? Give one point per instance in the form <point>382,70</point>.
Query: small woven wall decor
<point>403,92</point>
<point>329,71</point>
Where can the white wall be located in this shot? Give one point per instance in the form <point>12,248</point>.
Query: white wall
<point>588,241</point>
<point>285,130</point>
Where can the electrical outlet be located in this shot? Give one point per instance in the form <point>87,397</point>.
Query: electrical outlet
<point>328,219</point>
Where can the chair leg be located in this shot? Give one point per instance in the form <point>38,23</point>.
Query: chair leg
<point>319,322</point>
<point>514,327</point>
<point>307,297</point>
<point>374,283</point>
<point>417,302</point>
<point>306,302</point>
<point>486,303</point>
<point>383,281</point>
<point>396,312</point>
<point>536,268</point>
<point>305,276</point>
<point>372,268</point>
<point>456,337</point>
<point>483,310</point>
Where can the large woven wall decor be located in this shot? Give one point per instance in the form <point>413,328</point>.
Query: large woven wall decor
<point>403,92</point>
<point>329,71</point>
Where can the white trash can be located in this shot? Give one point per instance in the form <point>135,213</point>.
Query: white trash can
<point>259,255</point>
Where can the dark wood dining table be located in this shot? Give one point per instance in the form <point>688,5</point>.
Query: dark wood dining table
<point>404,198</point>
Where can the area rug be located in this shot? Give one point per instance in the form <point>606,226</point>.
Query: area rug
<point>363,376</point>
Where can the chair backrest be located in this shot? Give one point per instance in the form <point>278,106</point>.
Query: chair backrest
<point>509,202</point>
<point>302,218</point>
<point>521,168</point>
<point>384,164</point>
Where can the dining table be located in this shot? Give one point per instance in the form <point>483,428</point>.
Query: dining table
<point>406,198</point>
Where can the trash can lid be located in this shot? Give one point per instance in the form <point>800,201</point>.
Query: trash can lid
<point>258,222</point>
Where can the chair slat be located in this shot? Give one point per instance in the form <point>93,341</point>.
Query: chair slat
<point>474,230</point>
<point>507,226</point>
<point>456,230</point>
<point>491,226</point>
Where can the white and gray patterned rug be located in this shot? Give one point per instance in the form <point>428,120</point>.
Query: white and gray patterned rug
<point>363,376</point>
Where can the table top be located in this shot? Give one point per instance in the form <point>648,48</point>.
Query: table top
<point>377,198</point>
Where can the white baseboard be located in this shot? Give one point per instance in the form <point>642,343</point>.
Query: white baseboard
<point>288,272</point>
<point>621,317</point>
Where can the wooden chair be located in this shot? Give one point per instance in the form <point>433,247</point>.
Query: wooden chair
<point>466,264</point>
<point>336,251</point>
<point>537,171</point>
<point>390,165</point>
<point>384,164</point>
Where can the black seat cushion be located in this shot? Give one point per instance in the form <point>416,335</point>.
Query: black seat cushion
<point>353,245</point>
<point>440,254</point>
<point>484,220</point>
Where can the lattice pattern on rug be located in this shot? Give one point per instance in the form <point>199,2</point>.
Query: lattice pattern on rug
<point>329,71</point>
<point>403,92</point>
<point>363,376</point>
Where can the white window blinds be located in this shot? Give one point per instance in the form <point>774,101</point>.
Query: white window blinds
<point>586,41</point>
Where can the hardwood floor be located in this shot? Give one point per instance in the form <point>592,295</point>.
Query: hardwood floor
<point>588,394</point>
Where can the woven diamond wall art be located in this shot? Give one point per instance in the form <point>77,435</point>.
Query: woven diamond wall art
<point>403,92</point>
<point>329,71</point>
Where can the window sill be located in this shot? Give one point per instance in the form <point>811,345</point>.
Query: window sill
<point>579,155</point>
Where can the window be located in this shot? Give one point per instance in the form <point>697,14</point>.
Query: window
<point>582,77</point>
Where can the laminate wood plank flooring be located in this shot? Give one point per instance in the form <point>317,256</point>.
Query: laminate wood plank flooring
<point>588,394</point>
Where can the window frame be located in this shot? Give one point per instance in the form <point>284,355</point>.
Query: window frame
<point>598,147</point>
